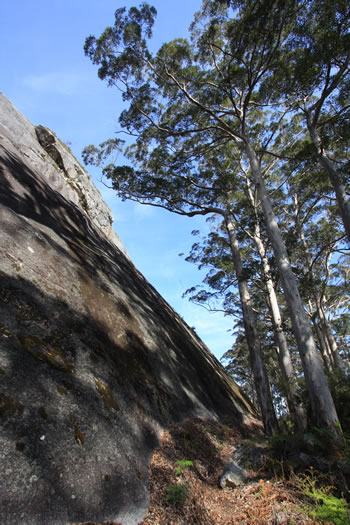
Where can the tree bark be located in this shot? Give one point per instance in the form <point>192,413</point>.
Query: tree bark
<point>324,347</point>
<point>322,405</point>
<point>262,386</point>
<point>294,403</point>
<point>323,343</point>
<point>336,360</point>
<point>330,343</point>
<point>330,168</point>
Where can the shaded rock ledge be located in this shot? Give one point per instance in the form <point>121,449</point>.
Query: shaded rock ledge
<point>93,362</point>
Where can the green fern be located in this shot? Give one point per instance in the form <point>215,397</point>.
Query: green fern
<point>325,507</point>
<point>182,464</point>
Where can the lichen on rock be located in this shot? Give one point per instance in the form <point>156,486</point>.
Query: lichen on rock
<point>106,393</point>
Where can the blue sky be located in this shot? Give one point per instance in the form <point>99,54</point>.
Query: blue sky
<point>45,74</point>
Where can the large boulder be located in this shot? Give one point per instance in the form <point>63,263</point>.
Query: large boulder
<point>93,362</point>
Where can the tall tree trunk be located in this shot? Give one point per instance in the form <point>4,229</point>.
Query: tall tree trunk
<point>322,404</point>
<point>325,352</point>
<point>331,169</point>
<point>323,343</point>
<point>329,340</point>
<point>262,386</point>
<point>337,361</point>
<point>294,403</point>
<point>295,406</point>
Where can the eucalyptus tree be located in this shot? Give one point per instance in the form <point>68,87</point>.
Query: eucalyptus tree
<point>223,255</point>
<point>247,216</point>
<point>318,239</point>
<point>316,244</point>
<point>216,252</point>
<point>226,286</point>
<point>250,325</point>
<point>312,75</point>
<point>295,405</point>
<point>190,98</point>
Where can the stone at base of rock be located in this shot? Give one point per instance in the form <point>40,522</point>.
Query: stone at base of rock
<point>232,476</point>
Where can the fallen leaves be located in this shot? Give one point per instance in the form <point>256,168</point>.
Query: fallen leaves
<point>208,446</point>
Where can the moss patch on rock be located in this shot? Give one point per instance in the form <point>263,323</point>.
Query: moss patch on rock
<point>9,406</point>
<point>61,390</point>
<point>52,355</point>
<point>106,393</point>
<point>79,436</point>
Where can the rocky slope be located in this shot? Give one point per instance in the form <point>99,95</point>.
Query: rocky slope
<point>93,362</point>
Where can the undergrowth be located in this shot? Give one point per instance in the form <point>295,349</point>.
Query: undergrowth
<point>176,493</point>
<point>182,464</point>
<point>320,501</point>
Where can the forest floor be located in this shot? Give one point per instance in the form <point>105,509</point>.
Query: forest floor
<point>184,489</point>
<point>190,494</point>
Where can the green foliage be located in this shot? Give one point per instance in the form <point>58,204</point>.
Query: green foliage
<point>321,503</point>
<point>97,155</point>
<point>339,384</point>
<point>177,493</point>
<point>181,465</point>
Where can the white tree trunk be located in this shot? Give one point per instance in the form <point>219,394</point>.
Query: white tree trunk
<point>294,403</point>
<point>261,383</point>
<point>336,360</point>
<point>329,341</point>
<point>322,404</point>
<point>323,343</point>
<point>325,352</point>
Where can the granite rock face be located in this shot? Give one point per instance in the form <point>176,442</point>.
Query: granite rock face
<point>86,193</point>
<point>93,362</point>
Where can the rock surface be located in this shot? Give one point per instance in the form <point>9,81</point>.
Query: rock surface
<point>93,362</point>
<point>233,475</point>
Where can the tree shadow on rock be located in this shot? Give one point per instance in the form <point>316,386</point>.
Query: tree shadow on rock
<point>93,364</point>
